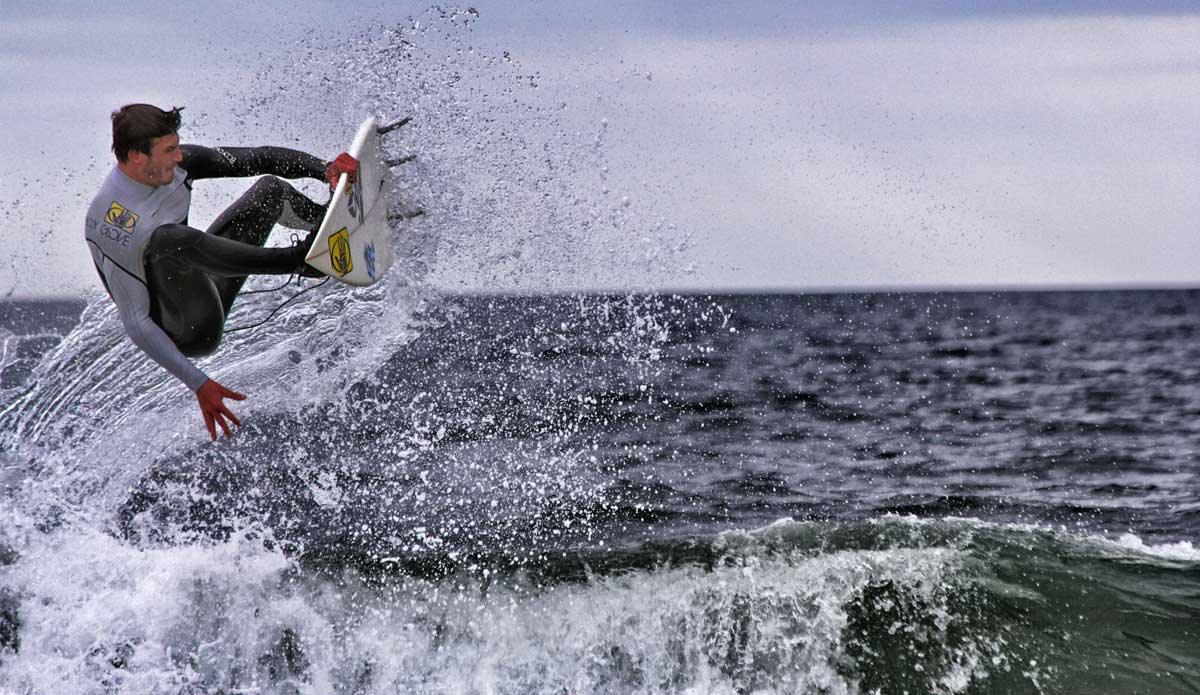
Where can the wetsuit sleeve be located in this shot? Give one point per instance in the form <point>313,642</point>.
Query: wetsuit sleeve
<point>221,162</point>
<point>133,306</point>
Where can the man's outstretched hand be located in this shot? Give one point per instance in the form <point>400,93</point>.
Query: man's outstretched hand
<point>210,394</point>
<point>342,164</point>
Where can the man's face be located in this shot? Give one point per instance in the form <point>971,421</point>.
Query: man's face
<point>158,167</point>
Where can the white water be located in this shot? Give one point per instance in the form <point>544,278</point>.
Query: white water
<point>515,196</point>
<point>231,614</point>
<point>513,178</point>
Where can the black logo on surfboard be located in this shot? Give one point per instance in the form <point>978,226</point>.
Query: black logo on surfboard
<point>354,202</point>
<point>339,252</point>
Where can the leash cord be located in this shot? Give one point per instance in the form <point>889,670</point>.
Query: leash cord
<point>276,309</point>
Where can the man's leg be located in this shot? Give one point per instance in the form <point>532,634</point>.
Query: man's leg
<point>183,300</point>
<point>249,220</point>
<point>185,267</point>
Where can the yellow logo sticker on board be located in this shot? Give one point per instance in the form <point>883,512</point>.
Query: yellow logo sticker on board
<point>118,216</point>
<point>339,252</point>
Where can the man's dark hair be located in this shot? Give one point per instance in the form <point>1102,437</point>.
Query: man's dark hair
<point>135,126</point>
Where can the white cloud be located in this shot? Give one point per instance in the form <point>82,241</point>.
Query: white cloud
<point>1052,150</point>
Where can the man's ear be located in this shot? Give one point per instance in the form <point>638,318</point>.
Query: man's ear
<point>136,158</point>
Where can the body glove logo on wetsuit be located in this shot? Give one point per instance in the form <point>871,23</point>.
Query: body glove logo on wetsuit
<point>119,217</point>
<point>339,252</point>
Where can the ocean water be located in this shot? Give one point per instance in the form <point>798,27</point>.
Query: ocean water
<point>580,493</point>
<point>855,493</point>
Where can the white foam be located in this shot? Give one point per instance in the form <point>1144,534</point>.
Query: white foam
<point>1180,550</point>
<point>217,615</point>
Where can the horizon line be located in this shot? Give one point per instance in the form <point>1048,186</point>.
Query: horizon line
<point>764,290</point>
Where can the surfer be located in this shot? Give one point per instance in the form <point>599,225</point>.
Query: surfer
<point>174,284</point>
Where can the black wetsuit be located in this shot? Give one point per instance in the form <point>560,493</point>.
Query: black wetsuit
<point>173,284</point>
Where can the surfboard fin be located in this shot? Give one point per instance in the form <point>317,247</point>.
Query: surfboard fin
<point>385,129</point>
<point>405,215</point>
<point>397,162</point>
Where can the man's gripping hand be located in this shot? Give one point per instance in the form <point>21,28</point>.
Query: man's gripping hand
<point>342,164</point>
<point>210,395</point>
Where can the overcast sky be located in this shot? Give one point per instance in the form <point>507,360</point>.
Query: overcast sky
<point>658,144</point>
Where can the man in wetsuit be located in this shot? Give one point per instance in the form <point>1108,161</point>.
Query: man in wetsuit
<point>173,284</point>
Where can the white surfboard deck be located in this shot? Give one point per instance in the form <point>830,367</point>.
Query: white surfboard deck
<point>354,242</point>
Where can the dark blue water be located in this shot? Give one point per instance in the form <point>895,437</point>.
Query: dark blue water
<point>923,493</point>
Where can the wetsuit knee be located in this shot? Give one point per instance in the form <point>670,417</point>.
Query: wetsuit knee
<point>286,205</point>
<point>270,185</point>
<point>269,201</point>
<point>188,308</point>
<point>204,341</point>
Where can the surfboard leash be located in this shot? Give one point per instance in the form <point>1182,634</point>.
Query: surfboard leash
<point>276,309</point>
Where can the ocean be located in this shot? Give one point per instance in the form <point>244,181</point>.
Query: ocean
<point>977,492</point>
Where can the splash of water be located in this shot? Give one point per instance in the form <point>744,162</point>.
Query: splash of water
<point>514,194</point>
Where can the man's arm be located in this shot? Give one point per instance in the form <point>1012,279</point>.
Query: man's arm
<point>133,306</point>
<point>220,162</point>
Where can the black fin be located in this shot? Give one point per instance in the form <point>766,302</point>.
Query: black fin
<point>385,129</point>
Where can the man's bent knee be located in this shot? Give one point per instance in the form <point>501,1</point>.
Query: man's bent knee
<point>201,345</point>
<point>270,186</point>
<point>198,328</point>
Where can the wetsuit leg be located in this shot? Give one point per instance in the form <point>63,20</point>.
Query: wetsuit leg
<point>185,265</point>
<point>249,220</point>
<point>184,302</point>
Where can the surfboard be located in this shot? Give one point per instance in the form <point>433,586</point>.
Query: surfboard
<point>354,243</point>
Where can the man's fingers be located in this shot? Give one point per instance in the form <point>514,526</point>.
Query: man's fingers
<point>211,395</point>
<point>208,422</point>
<point>229,414</point>
<point>229,393</point>
<point>225,427</point>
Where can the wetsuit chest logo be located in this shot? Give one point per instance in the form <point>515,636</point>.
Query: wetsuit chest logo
<point>119,217</point>
<point>339,252</point>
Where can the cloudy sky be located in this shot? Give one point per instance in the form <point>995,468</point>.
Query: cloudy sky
<point>745,144</point>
